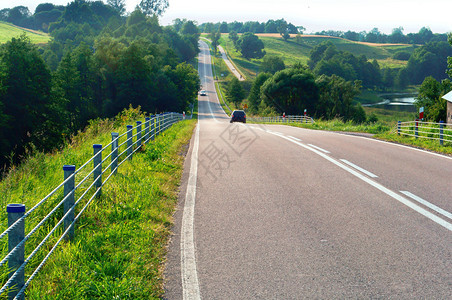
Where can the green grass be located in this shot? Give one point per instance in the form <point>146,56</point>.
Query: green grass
<point>432,145</point>
<point>292,52</point>
<point>9,31</point>
<point>119,246</point>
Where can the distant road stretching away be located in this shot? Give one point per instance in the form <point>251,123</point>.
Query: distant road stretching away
<point>277,212</point>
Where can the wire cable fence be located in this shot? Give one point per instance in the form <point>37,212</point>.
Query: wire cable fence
<point>441,132</point>
<point>63,213</point>
<point>281,119</point>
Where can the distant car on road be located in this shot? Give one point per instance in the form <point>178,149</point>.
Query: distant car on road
<point>238,116</point>
<point>203,93</point>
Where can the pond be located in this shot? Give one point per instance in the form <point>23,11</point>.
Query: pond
<point>396,102</point>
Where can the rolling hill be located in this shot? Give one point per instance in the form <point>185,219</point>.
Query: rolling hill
<point>292,52</point>
<point>8,31</point>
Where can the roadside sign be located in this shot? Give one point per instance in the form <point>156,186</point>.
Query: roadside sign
<point>305,111</point>
<point>245,106</point>
<point>421,113</point>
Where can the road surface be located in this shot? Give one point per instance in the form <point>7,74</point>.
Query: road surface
<point>230,65</point>
<point>277,212</point>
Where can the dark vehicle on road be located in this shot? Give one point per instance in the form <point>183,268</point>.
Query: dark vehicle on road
<point>238,116</point>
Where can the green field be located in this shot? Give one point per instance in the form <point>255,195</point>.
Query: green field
<point>9,31</point>
<point>292,52</point>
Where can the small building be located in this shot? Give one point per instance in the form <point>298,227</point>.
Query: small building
<point>448,98</point>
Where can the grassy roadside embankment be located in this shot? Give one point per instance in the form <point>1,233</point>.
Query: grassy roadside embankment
<point>119,245</point>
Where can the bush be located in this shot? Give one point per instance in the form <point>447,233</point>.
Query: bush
<point>401,55</point>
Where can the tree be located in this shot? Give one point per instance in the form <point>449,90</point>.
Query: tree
<point>224,27</point>
<point>215,38</point>
<point>154,7</point>
<point>189,27</point>
<point>254,98</point>
<point>428,60</point>
<point>235,92</point>
<point>430,97</point>
<point>26,99</point>
<point>272,64</point>
<point>283,30</point>
<point>234,38</point>
<point>397,36</point>
<point>187,83</point>
<point>118,5</point>
<point>449,59</point>
<point>251,46</point>
<point>291,90</point>
<point>335,98</point>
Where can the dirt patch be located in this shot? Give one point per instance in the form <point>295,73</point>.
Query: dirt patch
<point>184,150</point>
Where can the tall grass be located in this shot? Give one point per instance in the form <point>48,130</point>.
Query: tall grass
<point>120,240</point>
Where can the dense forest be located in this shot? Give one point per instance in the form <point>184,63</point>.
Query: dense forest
<point>281,26</point>
<point>98,63</point>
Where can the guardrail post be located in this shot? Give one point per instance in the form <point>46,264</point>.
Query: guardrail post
<point>416,133</point>
<point>114,152</point>
<point>138,133</point>
<point>146,130</point>
<point>399,124</point>
<point>15,236</point>
<point>157,125</point>
<point>441,134</point>
<point>153,127</point>
<point>69,191</point>
<point>129,141</point>
<point>97,168</point>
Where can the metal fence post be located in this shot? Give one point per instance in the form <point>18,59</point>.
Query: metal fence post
<point>399,124</point>
<point>129,141</point>
<point>114,152</point>
<point>146,130</point>
<point>15,236</point>
<point>97,168</point>
<point>138,133</point>
<point>69,191</point>
<point>159,121</point>
<point>416,134</point>
<point>441,134</point>
<point>153,127</point>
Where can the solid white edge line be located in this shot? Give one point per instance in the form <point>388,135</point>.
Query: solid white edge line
<point>428,204</point>
<point>190,285</point>
<point>385,190</point>
<point>318,148</point>
<point>370,174</point>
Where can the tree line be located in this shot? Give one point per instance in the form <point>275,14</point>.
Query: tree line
<point>281,26</point>
<point>271,26</point>
<point>93,68</point>
<point>427,60</point>
<point>424,36</point>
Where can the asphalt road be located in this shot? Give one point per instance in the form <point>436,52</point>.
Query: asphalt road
<point>277,212</point>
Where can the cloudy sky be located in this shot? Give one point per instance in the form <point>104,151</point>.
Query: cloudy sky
<point>314,15</point>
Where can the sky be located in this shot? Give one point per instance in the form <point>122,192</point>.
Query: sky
<point>314,15</point>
